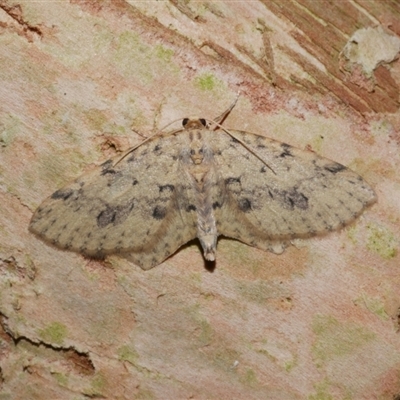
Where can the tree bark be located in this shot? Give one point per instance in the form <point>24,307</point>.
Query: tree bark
<point>82,81</point>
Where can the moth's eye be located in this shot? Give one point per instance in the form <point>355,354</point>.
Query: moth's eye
<point>185,121</point>
<point>203,121</point>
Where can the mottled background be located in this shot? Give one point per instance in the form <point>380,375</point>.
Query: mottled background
<point>81,81</point>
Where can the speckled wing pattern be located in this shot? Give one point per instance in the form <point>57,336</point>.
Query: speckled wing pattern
<point>294,194</point>
<point>201,183</point>
<point>131,206</point>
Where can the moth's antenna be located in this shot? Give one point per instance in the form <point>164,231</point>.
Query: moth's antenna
<point>149,138</point>
<point>242,143</point>
<point>221,118</point>
<point>218,124</point>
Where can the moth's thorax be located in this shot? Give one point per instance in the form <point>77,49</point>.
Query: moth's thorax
<point>197,145</point>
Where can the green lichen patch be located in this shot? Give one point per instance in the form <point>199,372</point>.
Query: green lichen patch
<point>163,54</point>
<point>336,339</point>
<point>207,82</point>
<point>249,378</point>
<point>382,241</point>
<point>324,389</point>
<point>55,333</point>
<point>97,385</point>
<point>10,126</point>
<point>61,379</point>
<point>126,353</point>
<point>260,291</point>
<point>204,331</point>
<point>373,304</point>
<point>147,63</point>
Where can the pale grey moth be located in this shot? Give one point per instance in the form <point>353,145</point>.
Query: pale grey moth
<point>201,182</point>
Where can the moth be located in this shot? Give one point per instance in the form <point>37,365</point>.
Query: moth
<point>201,181</point>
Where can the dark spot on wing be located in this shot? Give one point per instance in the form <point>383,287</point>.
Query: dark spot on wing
<point>159,212</point>
<point>286,150</point>
<point>191,207</point>
<point>114,214</point>
<point>157,147</point>
<point>134,182</point>
<point>106,217</point>
<point>106,165</point>
<point>230,181</point>
<point>112,176</point>
<point>47,211</point>
<point>166,188</point>
<point>216,205</point>
<point>63,194</point>
<point>244,205</point>
<point>106,171</point>
<point>334,168</point>
<point>263,169</point>
<point>293,199</point>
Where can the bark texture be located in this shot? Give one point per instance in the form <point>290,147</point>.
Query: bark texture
<point>81,81</point>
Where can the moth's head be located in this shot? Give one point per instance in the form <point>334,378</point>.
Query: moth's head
<point>194,123</point>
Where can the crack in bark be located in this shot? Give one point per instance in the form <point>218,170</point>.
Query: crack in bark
<point>81,361</point>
